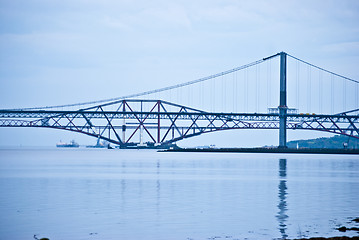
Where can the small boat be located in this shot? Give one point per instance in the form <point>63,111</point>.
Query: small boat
<point>72,144</point>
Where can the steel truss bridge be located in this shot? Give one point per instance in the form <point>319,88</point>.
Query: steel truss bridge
<point>164,127</point>
<point>129,122</point>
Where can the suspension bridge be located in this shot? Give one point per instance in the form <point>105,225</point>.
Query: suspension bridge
<point>279,92</point>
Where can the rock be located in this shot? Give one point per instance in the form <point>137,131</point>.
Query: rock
<point>356,220</point>
<point>40,238</point>
<point>342,229</point>
<point>330,238</point>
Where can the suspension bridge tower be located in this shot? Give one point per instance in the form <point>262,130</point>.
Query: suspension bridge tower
<point>283,101</point>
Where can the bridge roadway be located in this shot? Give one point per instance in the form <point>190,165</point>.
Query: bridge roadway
<point>42,114</point>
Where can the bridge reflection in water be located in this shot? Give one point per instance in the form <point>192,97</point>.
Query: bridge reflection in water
<point>282,194</point>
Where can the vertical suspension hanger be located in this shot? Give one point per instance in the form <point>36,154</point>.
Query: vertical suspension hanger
<point>309,94</point>
<point>297,83</point>
<point>234,108</point>
<point>246,105</point>
<point>268,87</point>
<point>344,94</point>
<point>332,93</point>
<point>357,95</point>
<point>320,91</point>
<point>257,87</point>
<point>222,93</point>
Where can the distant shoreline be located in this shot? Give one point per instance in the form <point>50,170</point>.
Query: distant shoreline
<point>267,150</point>
<point>329,238</point>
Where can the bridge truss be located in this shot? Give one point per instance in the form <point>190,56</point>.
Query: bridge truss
<point>156,123</point>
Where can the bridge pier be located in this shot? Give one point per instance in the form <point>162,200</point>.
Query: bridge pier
<point>283,101</point>
<point>124,131</point>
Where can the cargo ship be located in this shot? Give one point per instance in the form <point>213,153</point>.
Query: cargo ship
<point>72,144</point>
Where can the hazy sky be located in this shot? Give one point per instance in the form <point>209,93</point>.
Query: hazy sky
<point>68,51</point>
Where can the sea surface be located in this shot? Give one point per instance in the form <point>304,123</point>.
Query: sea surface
<point>143,194</point>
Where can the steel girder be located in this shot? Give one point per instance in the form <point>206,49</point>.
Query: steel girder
<point>159,122</point>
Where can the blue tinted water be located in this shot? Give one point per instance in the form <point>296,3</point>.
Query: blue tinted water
<point>132,194</point>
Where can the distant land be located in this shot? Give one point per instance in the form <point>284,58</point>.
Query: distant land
<point>330,145</point>
<point>335,142</point>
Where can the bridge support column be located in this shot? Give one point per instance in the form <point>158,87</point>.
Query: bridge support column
<point>124,122</point>
<point>141,135</point>
<point>283,101</point>
<point>158,122</point>
<point>124,131</point>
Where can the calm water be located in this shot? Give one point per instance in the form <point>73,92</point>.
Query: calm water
<point>131,194</point>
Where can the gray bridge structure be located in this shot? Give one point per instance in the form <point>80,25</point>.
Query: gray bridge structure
<point>136,122</point>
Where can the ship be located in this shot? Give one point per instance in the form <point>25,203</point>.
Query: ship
<point>72,144</point>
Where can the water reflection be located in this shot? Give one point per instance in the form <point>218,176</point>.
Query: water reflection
<point>282,194</point>
<point>158,189</point>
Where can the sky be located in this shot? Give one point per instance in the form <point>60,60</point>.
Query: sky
<point>61,52</point>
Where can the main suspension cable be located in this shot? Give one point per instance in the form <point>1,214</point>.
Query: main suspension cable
<point>114,100</point>
<point>312,65</point>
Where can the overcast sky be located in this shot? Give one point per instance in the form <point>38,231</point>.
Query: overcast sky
<point>68,51</point>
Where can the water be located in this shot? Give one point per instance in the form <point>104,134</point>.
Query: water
<point>132,194</point>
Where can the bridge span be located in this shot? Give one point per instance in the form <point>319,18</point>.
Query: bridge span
<point>165,123</point>
<point>152,119</point>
